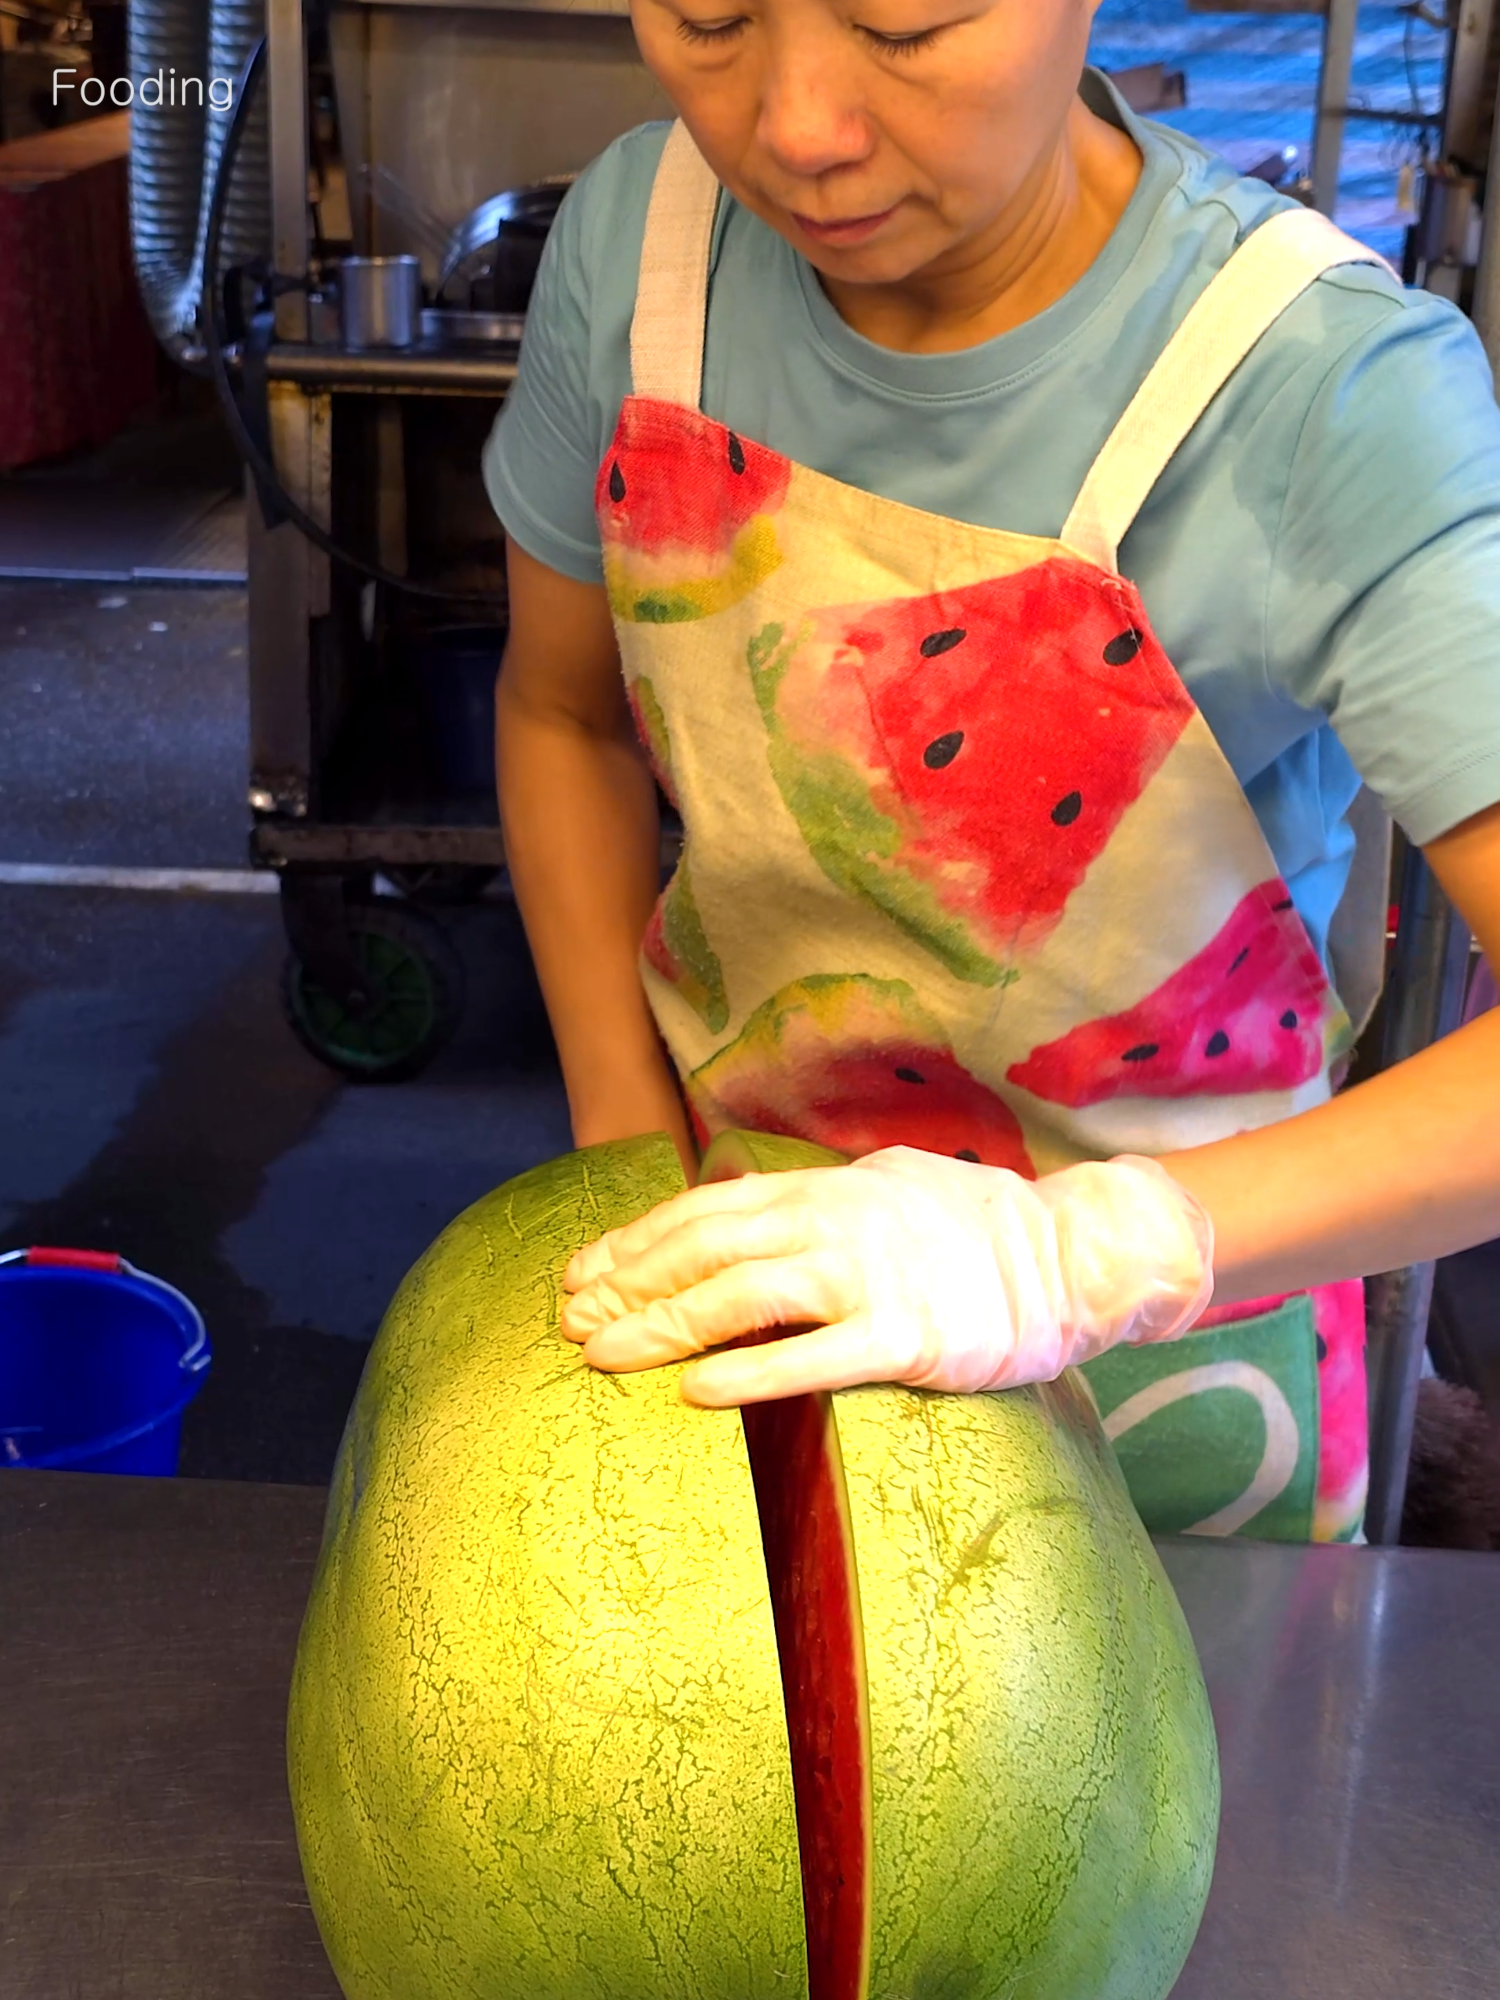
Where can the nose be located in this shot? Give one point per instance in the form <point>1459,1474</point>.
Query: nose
<point>813,117</point>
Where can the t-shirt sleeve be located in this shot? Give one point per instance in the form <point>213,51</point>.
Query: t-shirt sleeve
<point>1383,605</point>
<point>539,461</point>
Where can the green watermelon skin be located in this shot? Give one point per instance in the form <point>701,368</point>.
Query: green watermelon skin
<point>687,514</point>
<point>961,759</point>
<point>1002,1575</point>
<point>1251,1011</point>
<point>1074,1860</point>
<point>537,1743</point>
<point>854,1063</point>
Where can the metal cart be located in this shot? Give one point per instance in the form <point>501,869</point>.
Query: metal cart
<point>382,448</point>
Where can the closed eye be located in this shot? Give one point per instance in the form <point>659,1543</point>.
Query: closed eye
<point>902,45</point>
<point>891,45</point>
<point>718,31</point>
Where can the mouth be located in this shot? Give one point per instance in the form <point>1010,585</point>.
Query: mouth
<point>852,229</point>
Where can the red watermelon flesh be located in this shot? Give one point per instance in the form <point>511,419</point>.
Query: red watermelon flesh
<point>1247,1013</point>
<point>854,1063</point>
<point>997,733</point>
<point>799,1493</point>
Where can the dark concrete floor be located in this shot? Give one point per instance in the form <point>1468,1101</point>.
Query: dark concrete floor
<point>151,1099</point>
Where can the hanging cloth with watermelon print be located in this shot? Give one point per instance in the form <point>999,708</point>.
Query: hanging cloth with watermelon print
<point>964,867</point>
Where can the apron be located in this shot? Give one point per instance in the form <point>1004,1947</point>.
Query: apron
<point>964,868</point>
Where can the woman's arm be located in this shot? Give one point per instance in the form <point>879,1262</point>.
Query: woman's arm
<point>918,1269</point>
<point>582,839</point>
<point>1398,1169</point>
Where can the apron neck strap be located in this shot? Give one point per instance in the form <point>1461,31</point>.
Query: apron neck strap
<point>1272,268</point>
<point>671,302</point>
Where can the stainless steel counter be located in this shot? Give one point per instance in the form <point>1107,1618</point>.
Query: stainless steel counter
<point>1357,1697</point>
<point>146,1851</point>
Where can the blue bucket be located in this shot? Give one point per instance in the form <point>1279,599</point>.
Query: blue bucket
<point>98,1361</point>
<point>456,669</point>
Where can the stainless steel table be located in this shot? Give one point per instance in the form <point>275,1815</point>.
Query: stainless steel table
<point>146,1852</point>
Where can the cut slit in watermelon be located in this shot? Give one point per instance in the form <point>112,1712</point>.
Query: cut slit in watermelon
<point>804,1522</point>
<point>809,1549</point>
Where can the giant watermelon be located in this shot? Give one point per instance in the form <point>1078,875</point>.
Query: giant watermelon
<point>593,1702</point>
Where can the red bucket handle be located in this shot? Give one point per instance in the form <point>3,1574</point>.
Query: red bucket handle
<point>76,1260</point>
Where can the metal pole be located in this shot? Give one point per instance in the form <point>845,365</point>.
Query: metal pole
<point>286,80</point>
<point>1424,1000</point>
<point>1486,305</point>
<point>1465,106</point>
<point>1333,98</point>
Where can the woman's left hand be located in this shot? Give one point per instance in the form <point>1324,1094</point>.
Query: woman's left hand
<point>913,1268</point>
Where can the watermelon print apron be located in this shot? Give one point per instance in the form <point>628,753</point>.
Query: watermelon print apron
<point>964,867</point>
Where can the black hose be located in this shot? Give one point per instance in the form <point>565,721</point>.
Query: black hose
<point>214,340</point>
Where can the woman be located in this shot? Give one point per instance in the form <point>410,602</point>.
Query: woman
<point>1012,591</point>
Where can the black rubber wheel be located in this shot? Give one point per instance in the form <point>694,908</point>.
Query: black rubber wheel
<point>415,980</point>
<point>444,883</point>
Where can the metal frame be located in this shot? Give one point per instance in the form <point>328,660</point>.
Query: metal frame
<point>1469,107</point>
<point>1429,962</point>
<point>1423,1002</point>
<point>1341,22</point>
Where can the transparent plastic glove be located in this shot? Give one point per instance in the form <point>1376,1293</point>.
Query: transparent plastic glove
<point>914,1268</point>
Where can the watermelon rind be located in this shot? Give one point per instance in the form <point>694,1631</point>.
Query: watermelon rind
<point>734,1153</point>
<point>1041,1739</point>
<point>537,1742</point>
<point>1042,1744</point>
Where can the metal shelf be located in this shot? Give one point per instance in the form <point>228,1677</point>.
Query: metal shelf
<point>430,371</point>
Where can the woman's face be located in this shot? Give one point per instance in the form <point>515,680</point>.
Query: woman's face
<point>922,128</point>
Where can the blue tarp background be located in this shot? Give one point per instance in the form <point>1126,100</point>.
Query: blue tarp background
<point>1252,84</point>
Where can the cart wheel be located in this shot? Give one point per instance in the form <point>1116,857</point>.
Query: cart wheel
<point>415,982</point>
<point>451,882</point>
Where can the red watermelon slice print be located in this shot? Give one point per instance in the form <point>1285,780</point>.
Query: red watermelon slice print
<point>685,514</point>
<point>1248,1013</point>
<point>677,946</point>
<point>961,759</point>
<point>854,1063</point>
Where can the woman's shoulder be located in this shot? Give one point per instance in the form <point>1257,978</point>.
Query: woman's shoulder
<point>1355,318</point>
<point>602,223</point>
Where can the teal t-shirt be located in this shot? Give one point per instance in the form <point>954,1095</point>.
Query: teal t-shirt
<point>1321,559</point>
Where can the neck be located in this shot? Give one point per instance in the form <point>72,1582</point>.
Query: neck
<point>1021,264</point>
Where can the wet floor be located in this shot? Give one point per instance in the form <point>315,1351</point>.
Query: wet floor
<point>152,1100</point>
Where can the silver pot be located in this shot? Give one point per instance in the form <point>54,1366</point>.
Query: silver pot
<point>380,301</point>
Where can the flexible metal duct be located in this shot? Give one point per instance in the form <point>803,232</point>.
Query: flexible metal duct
<point>174,154</point>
